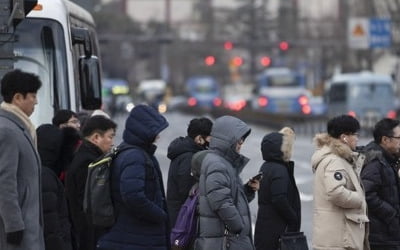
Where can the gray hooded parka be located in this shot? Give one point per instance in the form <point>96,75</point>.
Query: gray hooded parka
<point>224,214</point>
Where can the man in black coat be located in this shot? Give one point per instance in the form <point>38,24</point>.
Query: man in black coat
<point>98,133</point>
<point>382,188</point>
<point>180,151</point>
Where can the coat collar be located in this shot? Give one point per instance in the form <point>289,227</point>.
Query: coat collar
<point>329,145</point>
<point>336,146</point>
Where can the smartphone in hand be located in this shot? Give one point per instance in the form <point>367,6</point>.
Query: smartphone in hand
<point>257,177</point>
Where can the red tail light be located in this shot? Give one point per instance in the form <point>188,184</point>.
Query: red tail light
<point>217,102</point>
<point>303,100</point>
<point>262,101</point>
<point>391,114</point>
<point>192,101</point>
<point>306,109</point>
<point>352,113</point>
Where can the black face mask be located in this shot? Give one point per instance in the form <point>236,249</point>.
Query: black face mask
<point>206,143</point>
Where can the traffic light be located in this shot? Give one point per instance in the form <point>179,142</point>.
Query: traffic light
<point>265,61</point>
<point>209,60</point>
<point>237,61</point>
<point>228,45</point>
<point>283,45</point>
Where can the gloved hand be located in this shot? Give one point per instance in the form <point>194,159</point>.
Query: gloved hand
<point>15,238</point>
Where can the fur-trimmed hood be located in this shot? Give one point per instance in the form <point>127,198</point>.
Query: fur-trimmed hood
<point>328,145</point>
<point>278,145</point>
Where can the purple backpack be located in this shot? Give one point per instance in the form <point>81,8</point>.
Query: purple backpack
<point>185,229</point>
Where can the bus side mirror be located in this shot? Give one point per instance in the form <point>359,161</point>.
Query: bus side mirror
<point>82,36</point>
<point>18,10</point>
<point>90,82</point>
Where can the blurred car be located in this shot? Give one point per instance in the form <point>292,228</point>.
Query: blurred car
<point>203,92</point>
<point>235,102</point>
<point>154,92</point>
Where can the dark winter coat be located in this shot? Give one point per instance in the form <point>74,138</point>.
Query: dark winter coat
<point>20,185</point>
<point>180,181</point>
<point>53,146</point>
<point>278,196</point>
<point>86,233</point>
<point>137,188</point>
<point>57,226</point>
<point>223,199</point>
<point>382,188</point>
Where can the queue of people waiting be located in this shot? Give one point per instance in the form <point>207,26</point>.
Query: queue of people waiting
<point>43,173</point>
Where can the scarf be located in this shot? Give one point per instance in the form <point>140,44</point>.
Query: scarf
<point>23,117</point>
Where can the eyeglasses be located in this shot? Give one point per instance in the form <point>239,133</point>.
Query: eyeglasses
<point>355,134</point>
<point>74,121</point>
<point>395,137</point>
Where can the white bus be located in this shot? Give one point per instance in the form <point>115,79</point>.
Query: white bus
<point>57,41</point>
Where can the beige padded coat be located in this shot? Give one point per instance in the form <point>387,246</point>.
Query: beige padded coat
<point>340,211</point>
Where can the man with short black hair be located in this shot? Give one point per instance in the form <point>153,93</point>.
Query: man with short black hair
<point>180,151</point>
<point>340,211</point>
<point>21,220</point>
<point>98,133</point>
<point>382,187</point>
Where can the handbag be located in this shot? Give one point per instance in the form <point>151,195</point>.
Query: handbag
<point>293,241</point>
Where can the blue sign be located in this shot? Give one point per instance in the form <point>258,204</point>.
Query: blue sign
<point>380,33</point>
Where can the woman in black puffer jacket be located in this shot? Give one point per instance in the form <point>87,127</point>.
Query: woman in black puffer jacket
<point>278,196</point>
<point>55,148</point>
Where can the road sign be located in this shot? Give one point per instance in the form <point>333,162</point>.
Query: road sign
<point>364,33</point>
<point>380,33</point>
<point>358,33</point>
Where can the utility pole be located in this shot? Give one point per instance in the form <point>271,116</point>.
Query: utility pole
<point>253,40</point>
<point>124,7</point>
<point>343,16</point>
<point>168,14</point>
<point>210,19</point>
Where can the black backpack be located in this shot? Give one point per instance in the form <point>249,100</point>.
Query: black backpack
<point>97,201</point>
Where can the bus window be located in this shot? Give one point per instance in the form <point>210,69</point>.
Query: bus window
<point>205,86</point>
<point>370,91</point>
<point>282,81</point>
<point>337,93</point>
<point>39,49</point>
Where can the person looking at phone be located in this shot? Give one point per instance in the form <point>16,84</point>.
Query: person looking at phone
<point>224,214</point>
<point>279,208</point>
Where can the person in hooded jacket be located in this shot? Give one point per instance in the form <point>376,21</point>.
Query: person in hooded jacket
<point>340,210</point>
<point>53,145</point>
<point>180,151</point>
<point>224,214</point>
<point>137,187</point>
<point>278,197</point>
